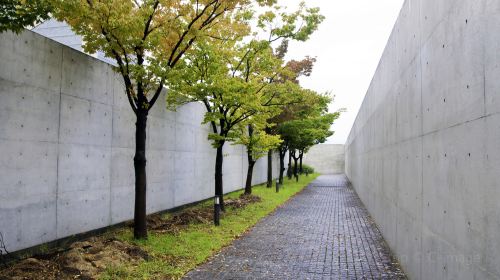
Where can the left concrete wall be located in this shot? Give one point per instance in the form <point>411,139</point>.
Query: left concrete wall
<point>67,144</point>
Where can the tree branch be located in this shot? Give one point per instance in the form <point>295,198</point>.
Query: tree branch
<point>147,31</point>
<point>125,74</point>
<point>241,61</point>
<point>156,95</point>
<point>207,105</point>
<point>184,34</point>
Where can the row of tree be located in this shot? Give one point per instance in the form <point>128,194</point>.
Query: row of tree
<point>228,55</point>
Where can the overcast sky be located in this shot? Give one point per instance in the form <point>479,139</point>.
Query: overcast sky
<point>348,46</point>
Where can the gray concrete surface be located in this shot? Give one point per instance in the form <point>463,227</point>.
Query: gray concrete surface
<point>326,158</point>
<point>424,152</point>
<point>61,32</point>
<point>67,144</point>
<point>324,232</point>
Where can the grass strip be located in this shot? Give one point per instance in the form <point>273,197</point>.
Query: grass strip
<point>175,254</point>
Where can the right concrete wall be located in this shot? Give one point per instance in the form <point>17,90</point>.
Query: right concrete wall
<point>424,152</point>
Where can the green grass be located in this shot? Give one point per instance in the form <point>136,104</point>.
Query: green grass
<point>173,255</point>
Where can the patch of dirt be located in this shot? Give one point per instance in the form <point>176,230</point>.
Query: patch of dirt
<point>83,260</point>
<point>31,268</point>
<point>198,215</point>
<point>242,201</point>
<point>178,221</point>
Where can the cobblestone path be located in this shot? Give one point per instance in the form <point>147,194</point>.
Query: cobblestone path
<point>324,232</point>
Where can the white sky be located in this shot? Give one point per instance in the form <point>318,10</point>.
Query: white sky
<point>348,47</point>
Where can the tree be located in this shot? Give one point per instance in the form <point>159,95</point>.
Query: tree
<point>312,128</point>
<point>289,111</point>
<point>147,39</point>
<point>15,15</point>
<point>315,131</point>
<point>291,123</point>
<point>312,21</point>
<point>231,79</point>
<point>257,142</point>
<point>309,102</point>
<point>233,93</point>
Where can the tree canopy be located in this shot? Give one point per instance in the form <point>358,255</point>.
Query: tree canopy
<point>236,79</point>
<point>148,38</point>
<point>257,141</point>
<point>15,15</point>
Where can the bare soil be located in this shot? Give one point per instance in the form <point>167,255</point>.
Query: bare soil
<point>83,260</point>
<point>242,201</point>
<point>197,215</point>
<point>177,222</point>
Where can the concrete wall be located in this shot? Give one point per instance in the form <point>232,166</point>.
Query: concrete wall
<point>326,158</point>
<point>67,144</point>
<point>61,32</point>
<point>424,152</point>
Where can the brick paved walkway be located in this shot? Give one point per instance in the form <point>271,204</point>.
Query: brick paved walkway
<point>323,233</point>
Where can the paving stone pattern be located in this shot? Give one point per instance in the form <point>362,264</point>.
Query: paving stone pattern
<point>324,232</point>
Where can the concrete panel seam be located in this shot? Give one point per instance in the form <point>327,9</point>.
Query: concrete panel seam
<point>59,142</point>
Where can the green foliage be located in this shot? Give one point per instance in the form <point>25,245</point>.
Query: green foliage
<point>298,25</point>
<point>257,141</point>
<point>230,81</point>
<point>236,79</point>
<point>174,254</point>
<point>148,38</point>
<point>305,133</point>
<point>15,15</point>
<point>307,124</point>
<point>307,169</point>
<point>310,105</point>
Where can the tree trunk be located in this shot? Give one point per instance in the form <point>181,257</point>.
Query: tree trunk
<point>140,226</point>
<point>248,185</point>
<point>282,166</point>
<point>295,166</point>
<point>289,170</point>
<point>293,154</point>
<point>270,168</point>
<point>219,190</point>
<point>301,155</point>
<point>219,193</point>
